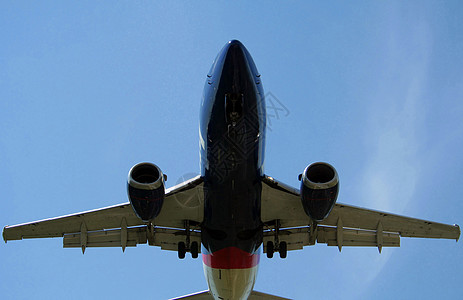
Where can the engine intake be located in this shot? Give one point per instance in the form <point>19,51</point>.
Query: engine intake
<point>319,190</point>
<point>145,188</point>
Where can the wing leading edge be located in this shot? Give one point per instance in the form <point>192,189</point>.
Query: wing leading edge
<point>345,226</point>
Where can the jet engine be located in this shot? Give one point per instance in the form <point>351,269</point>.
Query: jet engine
<point>319,190</point>
<point>145,188</point>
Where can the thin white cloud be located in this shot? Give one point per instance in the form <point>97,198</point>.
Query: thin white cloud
<point>395,125</point>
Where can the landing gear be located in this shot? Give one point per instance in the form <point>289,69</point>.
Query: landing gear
<point>194,249</point>
<point>181,250</point>
<point>187,246</point>
<point>270,249</point>
<point>281,247</point>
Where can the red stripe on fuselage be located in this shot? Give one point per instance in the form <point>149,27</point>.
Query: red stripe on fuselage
<point>231,258</point>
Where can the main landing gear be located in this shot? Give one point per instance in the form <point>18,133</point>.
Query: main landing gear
<point>193,249</point>
<point>282,248</point>
<point>187,246</point>
<point>277,246</point>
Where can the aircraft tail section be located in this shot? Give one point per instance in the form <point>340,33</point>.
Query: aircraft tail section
<point>205,295</point>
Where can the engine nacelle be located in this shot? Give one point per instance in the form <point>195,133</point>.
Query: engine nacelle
<point>145,188</point>
<point>319,190</point>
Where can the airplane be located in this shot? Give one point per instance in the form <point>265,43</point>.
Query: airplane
<point>233,211</point>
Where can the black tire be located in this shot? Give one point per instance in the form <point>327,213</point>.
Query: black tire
<point>181,250</point>
<point>283,250</point>
<point>270,249</point>
<point>194,249</point>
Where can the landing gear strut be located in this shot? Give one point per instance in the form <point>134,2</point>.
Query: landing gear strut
<point>186,246</point>
<point>281,247</point>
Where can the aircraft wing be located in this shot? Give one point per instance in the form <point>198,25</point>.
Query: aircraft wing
<point>345,226</point>
<point>118,226</point>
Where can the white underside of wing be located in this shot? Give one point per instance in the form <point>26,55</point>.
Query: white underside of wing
<point>345,226</point>
<point>182,202</point>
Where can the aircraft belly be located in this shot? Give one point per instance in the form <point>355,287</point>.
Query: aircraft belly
<point>230,284</point>
<point>232,130</point>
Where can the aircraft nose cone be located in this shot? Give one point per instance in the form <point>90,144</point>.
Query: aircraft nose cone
<point>233,66</point>
<point>235,44</point>
<point>235,52</point>
<point>236,70</point>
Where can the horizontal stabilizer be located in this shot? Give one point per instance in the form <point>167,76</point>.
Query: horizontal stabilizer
<point>205,295</point>
<point>263,296</point>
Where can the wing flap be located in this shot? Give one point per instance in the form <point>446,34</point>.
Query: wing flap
<point>355,237</point>
<point>166,238</point>
<point>297,238</point>
<point>107,238</point>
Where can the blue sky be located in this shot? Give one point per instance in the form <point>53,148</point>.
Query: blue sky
<point>87,90</point>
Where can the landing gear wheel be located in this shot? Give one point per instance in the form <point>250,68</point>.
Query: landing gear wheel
<point>270,249</point>
<point>181,250</point>
<point>194,249</point>
<point>283,249</point>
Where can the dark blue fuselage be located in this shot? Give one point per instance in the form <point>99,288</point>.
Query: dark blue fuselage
<point>232,139</point>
